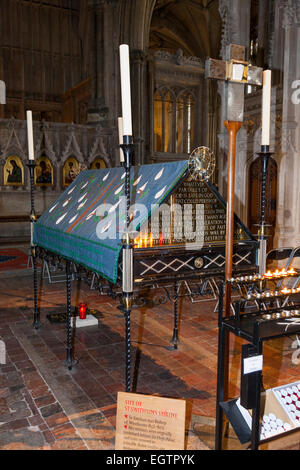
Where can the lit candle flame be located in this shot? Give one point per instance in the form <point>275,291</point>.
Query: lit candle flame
<point>285,290</point>
<point>151,239</point>
<point>144,241</point>
<point>268,274</point>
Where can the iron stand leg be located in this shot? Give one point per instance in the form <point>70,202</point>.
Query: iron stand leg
<point>220,388</point>
<point>31,166</point>
<point>222,371</point>
<point>70,362</point>
<point>175,339</point>
<point>265,155</point>
<point>36,322</point>
<point>255,435</point>
<point>127,276</point>
<point>128,350</point>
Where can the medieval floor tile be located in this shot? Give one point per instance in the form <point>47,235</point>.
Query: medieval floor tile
<point>43,405</point>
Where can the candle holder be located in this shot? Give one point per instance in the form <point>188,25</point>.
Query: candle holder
<point>31,165</point>
<point>70,362</point>
<point>82,311</point>
<point>128,151</point>
<point>265,155</point>
<point>127,275</point>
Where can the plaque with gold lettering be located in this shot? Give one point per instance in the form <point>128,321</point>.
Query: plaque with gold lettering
<point>195,209</point>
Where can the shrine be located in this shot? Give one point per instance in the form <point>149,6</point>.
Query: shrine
<point>149,259</point>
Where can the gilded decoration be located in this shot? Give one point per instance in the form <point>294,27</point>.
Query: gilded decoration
<point>13,171</point>
<point>98,163</point>
<point>43,175</point>
<point>70,171</point>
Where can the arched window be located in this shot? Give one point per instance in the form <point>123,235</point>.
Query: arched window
<point>164,114</point>
<point>173,120</point>
<point>184,122</point>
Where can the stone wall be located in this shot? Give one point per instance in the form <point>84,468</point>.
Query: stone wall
<point>57,142</point>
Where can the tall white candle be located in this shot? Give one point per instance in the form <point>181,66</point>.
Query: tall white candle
<point>120,127</point>
<point>125,89</point>
<point>30,135</point>
<point>266,108</point>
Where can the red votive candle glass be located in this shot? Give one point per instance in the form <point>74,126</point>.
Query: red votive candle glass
<point>82,311</point>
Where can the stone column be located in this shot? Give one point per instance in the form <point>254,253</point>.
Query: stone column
<point>102,108</point>
<point>288,203</point>
<point>140,102</point>
<point>135,19</point>
<point>235,15</point>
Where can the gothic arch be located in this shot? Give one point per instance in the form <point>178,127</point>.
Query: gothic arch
<point>13,150</point>
<point>98,151</point>
<point>45,145</point>
<point>164,90</point>
<point>135,20</point>
<point>13,141</point>
<point>72,148</point>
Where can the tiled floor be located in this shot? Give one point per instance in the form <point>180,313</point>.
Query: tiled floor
<point>43,405</point>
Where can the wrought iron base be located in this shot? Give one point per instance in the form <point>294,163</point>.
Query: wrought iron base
<point>264,155</point>
<point>70,363</point>
<point>128,351</point>
<point>175,340</point>
<point>31,166</point>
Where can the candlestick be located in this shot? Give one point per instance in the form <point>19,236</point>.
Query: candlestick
<point>265,155</point>
<point>30,135</point>
<point>125,89</point>
<point>69,362</point>
<point>120,127</point>
<point>266,108</point>
<point>127,274</point>
<point>31,165</point>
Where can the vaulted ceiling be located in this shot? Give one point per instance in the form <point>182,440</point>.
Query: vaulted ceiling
<point>191,25</point>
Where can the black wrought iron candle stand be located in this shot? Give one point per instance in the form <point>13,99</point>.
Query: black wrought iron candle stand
<point>70,362</point>
<point>265,155</point>
<point>31,165</point>
<point>175,338</point>
<point>127,253</point>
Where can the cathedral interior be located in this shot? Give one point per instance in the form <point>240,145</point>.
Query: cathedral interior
<point>59,59</point>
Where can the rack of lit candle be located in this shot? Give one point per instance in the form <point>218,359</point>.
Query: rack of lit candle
<point>147,240</point>
<point>269,275</point>
<point>272,294</point>
<point>144,241</point>
<point>280,273</point>
<point>283,314</point>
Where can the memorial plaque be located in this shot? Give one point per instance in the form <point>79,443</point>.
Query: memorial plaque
<point>193,207</point>
<point>146,422</point>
